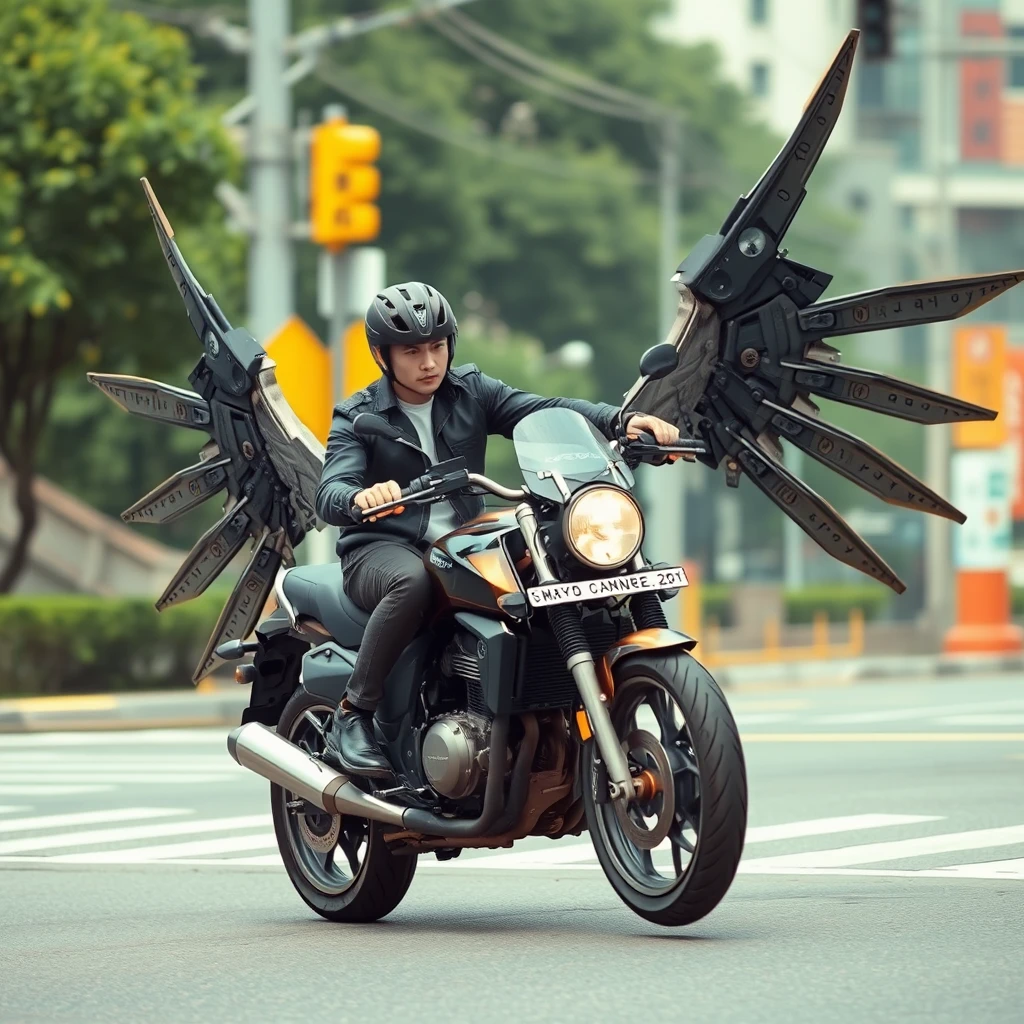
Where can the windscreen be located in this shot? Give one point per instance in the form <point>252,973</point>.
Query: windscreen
<point>564,442</point>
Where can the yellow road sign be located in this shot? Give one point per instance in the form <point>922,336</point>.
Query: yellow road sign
<point>304,374</point>
<point>360,369</point>
<point>979,372</point>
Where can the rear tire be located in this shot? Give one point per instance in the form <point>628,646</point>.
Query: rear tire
<point>709,786</point>
<point>377,880</point>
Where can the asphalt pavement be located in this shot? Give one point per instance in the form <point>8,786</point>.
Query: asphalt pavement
<point>883,879</point>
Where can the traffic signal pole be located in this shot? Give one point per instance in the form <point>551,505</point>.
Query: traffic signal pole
<point>271,262</point>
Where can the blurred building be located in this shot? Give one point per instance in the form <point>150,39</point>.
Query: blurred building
<point>76,549</point>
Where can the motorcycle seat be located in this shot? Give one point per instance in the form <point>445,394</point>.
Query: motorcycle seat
<point>315,591</point>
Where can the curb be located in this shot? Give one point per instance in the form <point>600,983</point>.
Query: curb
<point>168,709</point>
<point>847,671</point>
<point>222,706</point>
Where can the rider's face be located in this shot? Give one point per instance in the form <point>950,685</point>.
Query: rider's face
<point>419,369</point>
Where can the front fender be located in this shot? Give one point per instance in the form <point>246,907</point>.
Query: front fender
<point>640,642</point>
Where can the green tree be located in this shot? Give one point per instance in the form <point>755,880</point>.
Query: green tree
<point>90,101</point>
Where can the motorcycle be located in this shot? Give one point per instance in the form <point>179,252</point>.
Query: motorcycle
<point>547,695</point>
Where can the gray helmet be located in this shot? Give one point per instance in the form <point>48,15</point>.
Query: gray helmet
<point>409,314</point>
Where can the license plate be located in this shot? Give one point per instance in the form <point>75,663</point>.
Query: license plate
<point>612,586</point>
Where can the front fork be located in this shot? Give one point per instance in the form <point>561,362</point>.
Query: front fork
<point>580,662</point>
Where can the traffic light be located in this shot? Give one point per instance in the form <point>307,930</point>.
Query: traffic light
<point>874,19</point>
<point>343,183</point>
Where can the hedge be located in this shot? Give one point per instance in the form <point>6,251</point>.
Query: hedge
<point>52,644</point>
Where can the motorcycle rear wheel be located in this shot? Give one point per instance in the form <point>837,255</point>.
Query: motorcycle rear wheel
<point>672,702</point>
<point>353,879</point>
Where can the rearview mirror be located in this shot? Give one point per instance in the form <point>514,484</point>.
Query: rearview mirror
<point>368,425</point>
<point>659,361</point>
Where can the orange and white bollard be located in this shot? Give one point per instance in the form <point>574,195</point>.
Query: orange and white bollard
<point>983,474</point>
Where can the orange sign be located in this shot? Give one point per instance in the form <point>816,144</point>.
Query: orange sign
<point>979,371</point>
<point>1015,423</point>
<point>304,374</point>
<point>360,369</point>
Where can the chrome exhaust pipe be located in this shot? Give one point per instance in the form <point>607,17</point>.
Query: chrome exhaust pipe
<point>269,754</point>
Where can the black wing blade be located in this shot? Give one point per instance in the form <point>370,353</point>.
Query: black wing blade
<point>203,313</point>
<point>922,302</point>
<point>860,462</point>
<point>180,493</point>
<point>815,516</point>
<point>242,609</point>
<point>209,558</point>
<point>154,401</point>
<point>725,266</point>
<point>878,392</point>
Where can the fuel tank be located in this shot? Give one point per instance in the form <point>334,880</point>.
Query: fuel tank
<point>475,566</point>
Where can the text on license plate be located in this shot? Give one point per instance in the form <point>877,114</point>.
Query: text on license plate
<point>612,586</point>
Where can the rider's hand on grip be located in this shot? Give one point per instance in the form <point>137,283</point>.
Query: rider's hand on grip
<point>380,494</point>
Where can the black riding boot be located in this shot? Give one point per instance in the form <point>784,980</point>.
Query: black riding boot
<point>352,746</point>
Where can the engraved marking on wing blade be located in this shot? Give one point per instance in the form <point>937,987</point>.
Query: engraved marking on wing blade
<point>860,462</point>
<point>179,493</point>
<point>243,607</point>
<point>878,392</point>
<point>153,400</point>
<point>210,556</point>
<point>921,302</point>
<point>776,197</point>
<point>202,313</point>
<point>815,516</point>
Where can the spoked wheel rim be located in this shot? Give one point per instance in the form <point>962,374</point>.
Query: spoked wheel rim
<point>329,849</point>
<point>654,850</point>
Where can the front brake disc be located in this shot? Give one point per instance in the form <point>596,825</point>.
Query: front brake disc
<point>638,833</point>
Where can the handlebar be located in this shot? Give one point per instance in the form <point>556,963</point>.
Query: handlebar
<point>445,478</point>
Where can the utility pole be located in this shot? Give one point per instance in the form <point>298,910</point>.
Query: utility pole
<point>271,266</point>
<point>939,102</point>
<point>664,486</point>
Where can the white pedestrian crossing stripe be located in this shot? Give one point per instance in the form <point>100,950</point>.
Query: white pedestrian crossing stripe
<point>248,841</point>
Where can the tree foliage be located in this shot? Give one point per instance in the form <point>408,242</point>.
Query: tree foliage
<point>90,101</point>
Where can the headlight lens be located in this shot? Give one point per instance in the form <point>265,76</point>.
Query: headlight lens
<point>603,527</point>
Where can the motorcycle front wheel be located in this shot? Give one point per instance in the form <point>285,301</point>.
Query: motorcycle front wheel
<point>339,864</point>
<point>672,854</point>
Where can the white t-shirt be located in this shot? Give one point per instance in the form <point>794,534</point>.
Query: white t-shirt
<point>442,516</point>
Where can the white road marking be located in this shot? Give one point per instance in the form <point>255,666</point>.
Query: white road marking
<point>125,776</point>
<point>981,720</point>
<point>215,736</point>
<point>874,853</point>
<point>766,718</point>
<point>29,789</point>
<point>86,818</point>
<point>121,835</point>
<point>1002,870</point>
<point>145,854</point>
<point>923,713</point>
<point>573,853</point>
<point>10,808</point>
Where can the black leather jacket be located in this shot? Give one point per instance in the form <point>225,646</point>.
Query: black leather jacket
<point>467,407</point>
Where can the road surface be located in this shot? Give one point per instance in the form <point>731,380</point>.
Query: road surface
<point>883,879</point>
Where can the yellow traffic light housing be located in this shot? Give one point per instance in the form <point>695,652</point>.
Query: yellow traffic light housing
<point>344,183</point>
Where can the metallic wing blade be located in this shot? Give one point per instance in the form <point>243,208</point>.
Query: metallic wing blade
<point>243,607</point>
<point>813,514</point>
<point>878,392</point>
<point>923,302</point>
<point>210,556</point>
<point>180,493</point>
<point>203,312</point>
<point>859,462</point>
<point>154,401</point>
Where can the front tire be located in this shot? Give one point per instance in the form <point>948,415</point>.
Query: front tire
<point>670,701</point>
<point>340,865</point>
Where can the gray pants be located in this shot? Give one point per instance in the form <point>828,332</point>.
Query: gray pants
<point>388,580</point>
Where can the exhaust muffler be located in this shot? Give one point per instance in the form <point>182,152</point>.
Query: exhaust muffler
<point>269,754</point>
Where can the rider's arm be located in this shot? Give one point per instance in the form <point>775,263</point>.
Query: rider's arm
<point>344,472</point>
<point>506,405</point>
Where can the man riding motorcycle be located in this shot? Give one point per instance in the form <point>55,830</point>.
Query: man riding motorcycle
<point>443,412</point>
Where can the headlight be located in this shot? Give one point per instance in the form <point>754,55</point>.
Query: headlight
<point>603,527</point>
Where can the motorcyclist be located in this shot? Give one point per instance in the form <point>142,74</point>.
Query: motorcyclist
<point>446,411</point>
